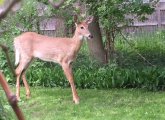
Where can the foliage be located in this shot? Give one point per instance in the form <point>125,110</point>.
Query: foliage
<point>13,25</point>
<point>113,16</point>
<point>3,108</point>
<point>22,20</point>
<point>1,111</point>
<point>1,2</point>
<point>112,13</point>
<point>127,71</point>
<point>101,78</point>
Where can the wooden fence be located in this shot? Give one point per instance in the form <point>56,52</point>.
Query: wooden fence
<point>155,22</point>
<point>55,27</point>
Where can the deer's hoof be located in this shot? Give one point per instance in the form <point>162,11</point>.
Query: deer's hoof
<point>76,101</point>
<point>28,96</point>
<point>18,99</point>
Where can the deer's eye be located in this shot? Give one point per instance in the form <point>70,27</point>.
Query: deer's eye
<point>82,27</point>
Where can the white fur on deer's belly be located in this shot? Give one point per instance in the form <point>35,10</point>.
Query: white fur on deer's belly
<point>47,57</point>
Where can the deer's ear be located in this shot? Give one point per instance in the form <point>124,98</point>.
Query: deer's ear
<point>89,19</point>
<point>75,24</point>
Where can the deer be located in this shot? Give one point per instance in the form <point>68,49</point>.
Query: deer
<point>63,51</point>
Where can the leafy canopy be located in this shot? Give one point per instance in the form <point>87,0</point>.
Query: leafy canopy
<point>113,12</point>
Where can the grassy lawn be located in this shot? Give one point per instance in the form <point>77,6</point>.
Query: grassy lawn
<point>113,104</point>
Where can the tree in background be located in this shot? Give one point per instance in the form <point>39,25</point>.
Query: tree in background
<point>112,17</point>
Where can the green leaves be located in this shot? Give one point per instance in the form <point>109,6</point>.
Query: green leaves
<point>114,11</point>
<point>127,71</point>
<point>4,107</point>
<point>99,77</point>
<point>1,2</point>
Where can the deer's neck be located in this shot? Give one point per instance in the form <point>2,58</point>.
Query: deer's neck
<point>77,39</point>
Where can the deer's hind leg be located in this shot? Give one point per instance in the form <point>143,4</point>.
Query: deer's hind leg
<point>27,88</point>
<point>24,63</point>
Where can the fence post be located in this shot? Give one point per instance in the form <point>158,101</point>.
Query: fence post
<point>158,16</point>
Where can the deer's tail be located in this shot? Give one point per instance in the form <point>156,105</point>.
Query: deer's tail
<point>17,53</point>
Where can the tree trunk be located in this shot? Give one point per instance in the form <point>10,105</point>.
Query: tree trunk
<point>110,47</point>
<point>95,45</point>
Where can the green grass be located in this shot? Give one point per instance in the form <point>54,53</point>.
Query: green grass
<point>113,104</point>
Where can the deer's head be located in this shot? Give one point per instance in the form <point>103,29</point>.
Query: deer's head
<point>82,28</point>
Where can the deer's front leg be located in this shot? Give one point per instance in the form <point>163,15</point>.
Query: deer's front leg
<point>69,75</point>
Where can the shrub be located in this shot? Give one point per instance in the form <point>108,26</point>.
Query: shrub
<point>128,70</point>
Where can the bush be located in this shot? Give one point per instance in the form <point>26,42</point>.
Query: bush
<point>128,70</point>
<point>97,77</point>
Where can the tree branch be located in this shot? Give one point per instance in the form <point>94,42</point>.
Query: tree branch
<point>5,49</point>
<point>4,11</point>
<point>56,5</point>
<point>11,98</point>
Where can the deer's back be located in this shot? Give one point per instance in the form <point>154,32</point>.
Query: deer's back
<point>43,47</point>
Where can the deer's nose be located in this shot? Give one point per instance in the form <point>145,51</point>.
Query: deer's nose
<point>90,36</point>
